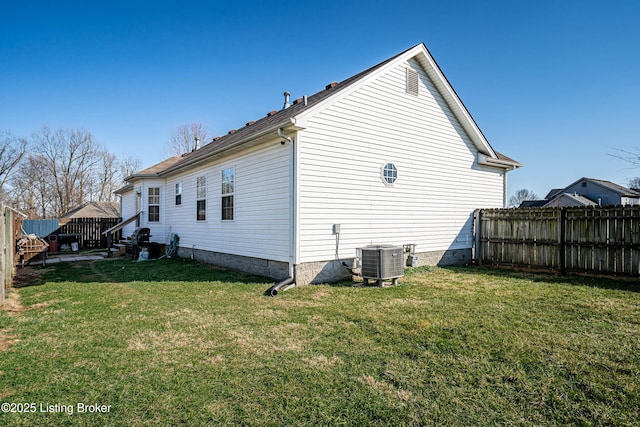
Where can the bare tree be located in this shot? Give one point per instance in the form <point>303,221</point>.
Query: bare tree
<point>128,166</point>
<point>64,169</point>
<point>106,179</point>
<point>182,138</point>
<point>11,151</point>
<point>628,155</point>
<point>520,196</point>
<point>31,189</point>
<point>70,156</point>
<point>634,183</point>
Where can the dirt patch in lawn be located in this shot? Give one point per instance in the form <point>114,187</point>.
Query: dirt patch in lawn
<point>24,277</point>
<point>28,276</point>
<point>13,307</point>
<point>12,303</point>
<point>6,339</point>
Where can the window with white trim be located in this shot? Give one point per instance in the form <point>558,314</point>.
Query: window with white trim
<point>228,193</point>
<point>389,173</point>
<point>153,204</point>
<point>201,198</point>
<point>178,194</point>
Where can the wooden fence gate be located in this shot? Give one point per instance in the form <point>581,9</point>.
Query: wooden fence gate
<point>600,240</point>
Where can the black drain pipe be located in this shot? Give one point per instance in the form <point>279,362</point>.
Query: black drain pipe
<point>282,285</point>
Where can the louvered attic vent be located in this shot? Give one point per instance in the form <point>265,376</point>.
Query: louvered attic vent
<point>412,81</point>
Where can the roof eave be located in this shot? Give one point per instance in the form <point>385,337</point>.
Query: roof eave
<point>140,176</point>
<point>127,188</point>
<point>467,121</point>
<point>485,160</point>
<point>201,159</point>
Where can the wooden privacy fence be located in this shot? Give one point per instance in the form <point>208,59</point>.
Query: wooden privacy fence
<point>601,240</point>
<point>9,233</point>
<point>88,230</point>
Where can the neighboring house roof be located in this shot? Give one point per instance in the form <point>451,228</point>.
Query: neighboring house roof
<point>295,116</point>
<point>623,191</point>
<point>533,203</point>
<point>619,189</point>
<point>569,196</point>
<point>553,193</point>
<point>568,199</point>
<point>94,210</point>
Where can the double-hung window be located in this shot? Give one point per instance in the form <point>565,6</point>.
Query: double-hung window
<point>201,198</point>
<point>178,194</point>
<point>228,192</point>
<point>154,204</point>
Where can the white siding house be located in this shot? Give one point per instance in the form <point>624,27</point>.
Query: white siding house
<point>390,156</point>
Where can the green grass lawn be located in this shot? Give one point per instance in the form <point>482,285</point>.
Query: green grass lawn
<point>173,342</point>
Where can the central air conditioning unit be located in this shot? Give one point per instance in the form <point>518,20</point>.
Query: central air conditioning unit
<point>381,262</point>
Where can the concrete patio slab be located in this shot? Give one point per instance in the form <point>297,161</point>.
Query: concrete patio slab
<point>73,258</point>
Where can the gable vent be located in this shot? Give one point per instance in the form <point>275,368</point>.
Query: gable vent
<point>412,81</point>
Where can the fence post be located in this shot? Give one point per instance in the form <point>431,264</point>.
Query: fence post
<point>4,264</point>
<point>562,240</point>
<point>477,216</point>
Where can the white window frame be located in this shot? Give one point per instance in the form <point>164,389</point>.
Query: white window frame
<point>228,192</point>
<point>153,200</point>
<point>201,196</point>
<point>389,173</point>
<point>178,199</point>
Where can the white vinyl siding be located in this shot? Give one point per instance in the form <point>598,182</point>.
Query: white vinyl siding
<point>260,227</point>
<point>439,181</point>
<point>128,209</point>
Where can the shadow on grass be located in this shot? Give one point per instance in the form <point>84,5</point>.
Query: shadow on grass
<point>629,284</point>
<point>126,270</point>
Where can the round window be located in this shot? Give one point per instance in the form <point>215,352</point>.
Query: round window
<point>389,173</point>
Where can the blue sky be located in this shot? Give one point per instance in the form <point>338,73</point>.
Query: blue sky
<point>552,84</point>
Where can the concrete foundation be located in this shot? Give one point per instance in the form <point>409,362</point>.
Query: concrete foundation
<point>447,257</point>
<point>312,272</point>
<point>276,270</point>
<point>333,271</point>
<point>322,272</point>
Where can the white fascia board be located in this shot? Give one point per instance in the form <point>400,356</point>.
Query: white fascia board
<point>455,103</point>
<point>240,144</point>
<point>485,160</point>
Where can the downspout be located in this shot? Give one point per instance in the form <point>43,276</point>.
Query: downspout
<point>291,280</point>
<point>504,188</point>
<point>283,135</point>
<point>504,185</point>
<point>281,286</point>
